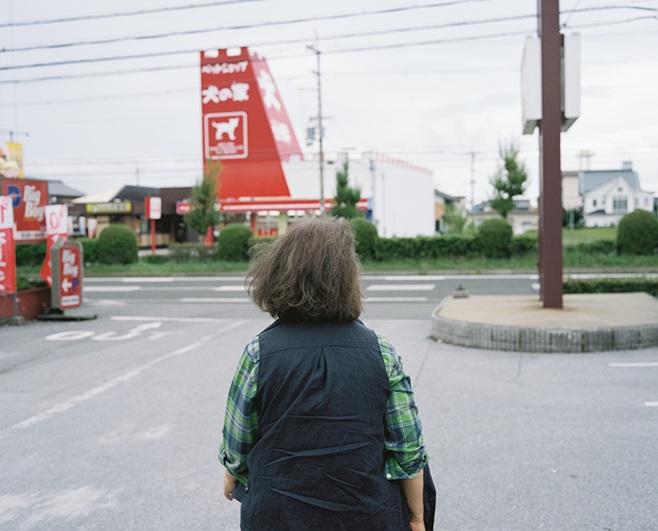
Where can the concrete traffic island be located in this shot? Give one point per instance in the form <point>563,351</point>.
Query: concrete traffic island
<point>586,323</point>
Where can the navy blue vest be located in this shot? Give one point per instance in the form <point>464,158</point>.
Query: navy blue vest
<point>319,465</point>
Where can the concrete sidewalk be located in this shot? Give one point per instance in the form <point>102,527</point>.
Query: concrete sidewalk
<point>586,323</point>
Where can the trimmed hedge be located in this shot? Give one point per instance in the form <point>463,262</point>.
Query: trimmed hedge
<point>155,258</point>
<point>612,285</point>
<point>117,244</point>
<point>185,252</point>
<point>233,243</point>
<point>494,238</point>
<point>366,237</point>
<point>638,233</point>
<point>30,254</point>
<point>450,245</point>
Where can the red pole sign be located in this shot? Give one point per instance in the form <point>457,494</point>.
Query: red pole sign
<point>66,259</point>
<point>7,246</point>
<point>56,227</point>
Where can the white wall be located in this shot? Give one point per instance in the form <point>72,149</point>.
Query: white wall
<point>403,199</point>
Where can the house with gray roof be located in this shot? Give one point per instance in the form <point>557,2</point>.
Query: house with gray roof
<point>610,194</point>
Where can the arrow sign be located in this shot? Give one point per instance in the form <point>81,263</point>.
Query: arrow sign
<point>66,285</point>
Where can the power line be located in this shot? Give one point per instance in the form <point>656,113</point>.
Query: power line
<point>295,56</point>
<point>270,23</point>
<point>123,13</point>
<point>405,29</point>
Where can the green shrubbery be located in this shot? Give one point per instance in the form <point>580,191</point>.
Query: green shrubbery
<point>184,252</point>
<point>117,244</point>
<point>30,254</point>
<point>638,233</point>
<point>494,238</point>
<point>234,242</point>
<point>612,285</point>
<point>366,237</point>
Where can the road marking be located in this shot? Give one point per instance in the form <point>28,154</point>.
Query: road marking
<point>229,288</point>
<point>110,384</point>
<point>635,364</point>
<point>396,299</point>
<point>400,287</point>
<point>169,319</point>
<point>651,404</point>
<point>110,289</point>
<point>165,279</point>
<point>217,299</point>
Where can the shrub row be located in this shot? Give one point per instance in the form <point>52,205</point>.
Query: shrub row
<point>612,285</point>
<point>33,254</point>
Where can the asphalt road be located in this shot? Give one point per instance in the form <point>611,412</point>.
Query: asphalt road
<point>114,423</point>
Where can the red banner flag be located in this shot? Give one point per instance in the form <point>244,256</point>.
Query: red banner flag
<point>7,246</point>
<point>56,227</point>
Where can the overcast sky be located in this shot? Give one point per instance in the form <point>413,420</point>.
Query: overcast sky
<point>437,84</point>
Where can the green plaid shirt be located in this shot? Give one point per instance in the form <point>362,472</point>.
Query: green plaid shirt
<point>405,446</point>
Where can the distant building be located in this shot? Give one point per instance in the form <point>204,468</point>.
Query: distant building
<point>93,213</point>
<point>442,202</point>
<point>523,217</point>
<point>608,195</point>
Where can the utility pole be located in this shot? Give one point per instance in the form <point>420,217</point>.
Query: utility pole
<point>316,49</point>
<point>472,154</point>
<point>12,133</point>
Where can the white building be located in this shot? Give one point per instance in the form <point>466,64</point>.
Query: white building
<point>610,194</point>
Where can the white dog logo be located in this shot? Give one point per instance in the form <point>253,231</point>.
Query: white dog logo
<point>226,128</point>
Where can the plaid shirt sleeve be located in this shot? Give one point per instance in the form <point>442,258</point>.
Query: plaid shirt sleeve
<point>405,447</point>
<point>240,432</point>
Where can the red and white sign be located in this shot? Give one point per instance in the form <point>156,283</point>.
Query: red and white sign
<point>56,227</point>
<point>153,207</point>
<point>7,246</point>
<point>29,199</point>
<point>245,124</point>
<point>70,275</point>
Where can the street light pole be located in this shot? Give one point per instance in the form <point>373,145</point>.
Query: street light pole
<point>316,50</point>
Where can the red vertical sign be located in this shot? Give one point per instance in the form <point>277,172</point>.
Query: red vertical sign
<point>70,276</point>
<point>56,227</point>
<point>7,246</point>
<point>245,124</point>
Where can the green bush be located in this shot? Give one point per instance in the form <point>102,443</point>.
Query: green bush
<point>494,238</point>
<point>155,258</point>
<point>638,233</point>
<point>233,243</point>
<point>524,244</point>
<point>30,254</point>
<point>612,285</point>
<point>187,252</point>
<point>24,282</point>
<point>594,247</point>
<point>117,244</point>
<point>88,250</point>
<point>366,236</point>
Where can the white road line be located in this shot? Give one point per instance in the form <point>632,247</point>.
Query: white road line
<point>110,289</point>
<point>396,299</point>
<point>651,404</point>
<point>400,287</point>
<point>216,299</point>
<point>236,278</point>
<point>635,364</point>
<point>169,319</point>
<point>229,288</point>
<point>110,384</point>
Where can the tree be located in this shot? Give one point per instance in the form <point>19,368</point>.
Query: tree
<point>455,218</point>
<point>346,197</point>
<point>509,181</point>
<point>202,215</point>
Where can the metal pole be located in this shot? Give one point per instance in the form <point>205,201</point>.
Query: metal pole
<point>316,49</point>
<point>550,192</point>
